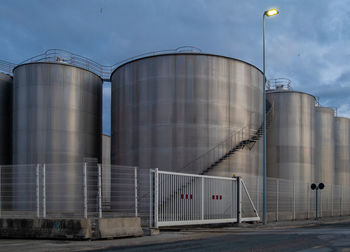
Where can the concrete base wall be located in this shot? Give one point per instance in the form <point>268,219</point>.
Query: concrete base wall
<point>74,229</point>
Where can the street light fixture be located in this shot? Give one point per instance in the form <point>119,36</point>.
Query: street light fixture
<point>271,12</point>
<point>268,13</point>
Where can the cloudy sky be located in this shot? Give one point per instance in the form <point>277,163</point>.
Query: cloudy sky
<point>308,43</point>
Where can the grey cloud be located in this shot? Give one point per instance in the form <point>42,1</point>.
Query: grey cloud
<point>307,43</point>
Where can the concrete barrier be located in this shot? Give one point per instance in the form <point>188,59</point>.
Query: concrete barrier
<point>74,229</point>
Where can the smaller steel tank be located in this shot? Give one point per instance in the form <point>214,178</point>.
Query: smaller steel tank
<point>324,145</point>
<point>290,135</point>
<point>342,151</point>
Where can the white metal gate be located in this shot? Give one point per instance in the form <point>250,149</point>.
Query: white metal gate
<point>189,199</point>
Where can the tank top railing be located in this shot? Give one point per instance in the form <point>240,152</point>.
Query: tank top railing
<point>104,71</point>
<point>6,67</point>
<point>218,153</point>
<point>279,83</point>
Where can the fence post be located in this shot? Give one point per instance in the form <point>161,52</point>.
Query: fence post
<point>150,199</point>
<point>85,190</point>
<point>341,201</point>
<point>239,200</point>
<point>202,198</point>
<point>156,183</point>
<point>37,191</point>
<point>332,199</point>
<point>258,194</point>
<point>293,200</point>
<point>277,197</point>
<point>135,190</point>
<point>44,189</point>
<point>99,190</point>
<point>309,200</point>
<point>0,193</point>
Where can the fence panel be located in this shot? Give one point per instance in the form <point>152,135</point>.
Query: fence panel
<point>19,196</point>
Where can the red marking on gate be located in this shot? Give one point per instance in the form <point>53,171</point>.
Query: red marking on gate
<point>186,196</point>
<point>213,197</point>
<point>182,196</point>
<point>220,197</point>
<point>217,197</point>
<point>191,196</point>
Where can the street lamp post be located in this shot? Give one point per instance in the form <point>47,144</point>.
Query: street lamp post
<point>268,13</point>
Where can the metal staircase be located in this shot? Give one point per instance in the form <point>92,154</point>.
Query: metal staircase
<point>238,140</point>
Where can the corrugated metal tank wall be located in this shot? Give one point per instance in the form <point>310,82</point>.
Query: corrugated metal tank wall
<point>5,118</point>
<point>324,145</point>
<point>57,118</point>
<point>342,151</point>
<point>169,109</point>
<point>290,138</point>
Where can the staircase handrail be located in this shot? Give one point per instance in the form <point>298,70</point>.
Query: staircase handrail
<point>221,149</point>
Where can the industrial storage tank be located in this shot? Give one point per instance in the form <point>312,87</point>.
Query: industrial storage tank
<point>5,118</point>
<point>169,109</point>
<point>5,140</point>
<point>290,137</point>
<point>57,118</point>
<point>324,146</point>
<point>342,151</point>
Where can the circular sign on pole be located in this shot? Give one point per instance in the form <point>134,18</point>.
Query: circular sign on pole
<point>320,186</point>
<point>313,186</point>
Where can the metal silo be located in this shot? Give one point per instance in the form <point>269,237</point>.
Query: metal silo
<point>290,138</point>
<point>169,109</point>
<point>5,140</point>
<point>324,146</point>
<point>5,118</point>
<point>342,151</point>
<point>57,118</point>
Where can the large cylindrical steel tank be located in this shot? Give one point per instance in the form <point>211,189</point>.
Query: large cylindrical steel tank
<point>290,135</point>
<point>57,118</point>
<point>169,109</point>
<point>324,146</point>
<point>342,151</point>
<point>5,140</point>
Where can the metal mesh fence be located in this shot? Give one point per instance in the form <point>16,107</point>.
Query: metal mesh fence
<point>91,190</point>
<point>74,190</point>
<point>292,200</point>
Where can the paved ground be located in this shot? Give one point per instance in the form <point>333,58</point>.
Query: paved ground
<point>327,235</point>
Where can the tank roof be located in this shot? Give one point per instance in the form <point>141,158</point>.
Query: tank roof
<point>182,54</point>
<point>56,63</point>
<point>283,91</point>
<point>326,109</point>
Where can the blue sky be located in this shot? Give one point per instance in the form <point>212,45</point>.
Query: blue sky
<point>307,43</point>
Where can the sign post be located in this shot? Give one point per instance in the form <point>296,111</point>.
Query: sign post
<point>315,187</point>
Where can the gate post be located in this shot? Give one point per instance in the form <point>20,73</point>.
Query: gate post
<point>99,190</point>
<point>44,190</point>
<point>37,191</point>
<point>239,200</point>
<point>156,184</point>
<point>277,197</point>
<point>150,199</point>
<point>85,190</point>
<point>135,191</point>
<point>202,198</point>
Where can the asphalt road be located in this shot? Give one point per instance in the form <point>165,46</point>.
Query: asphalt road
<point>315,237</point>
<point>330,237</point>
